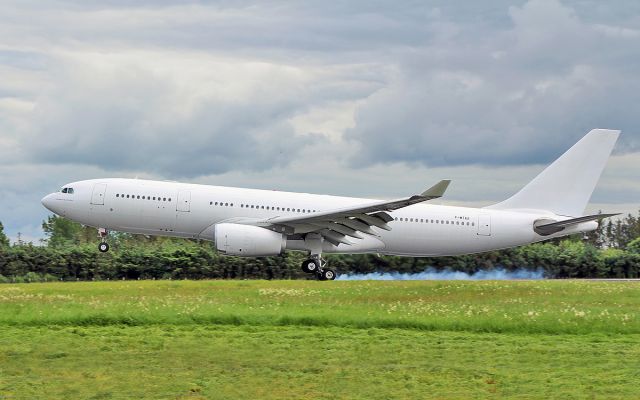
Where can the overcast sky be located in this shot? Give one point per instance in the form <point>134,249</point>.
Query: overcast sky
<point>363,98</point>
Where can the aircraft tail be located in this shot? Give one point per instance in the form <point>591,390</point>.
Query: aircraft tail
<point>566,185</point>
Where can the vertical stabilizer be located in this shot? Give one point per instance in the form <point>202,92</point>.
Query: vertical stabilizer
<point>565,186</point>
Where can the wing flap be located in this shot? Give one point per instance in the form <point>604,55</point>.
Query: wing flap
<point>373,221</point>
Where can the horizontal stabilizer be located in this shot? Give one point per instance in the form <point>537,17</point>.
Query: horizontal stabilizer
<point>554,227</point>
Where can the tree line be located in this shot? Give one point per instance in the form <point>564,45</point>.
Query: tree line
<point>69,252</point>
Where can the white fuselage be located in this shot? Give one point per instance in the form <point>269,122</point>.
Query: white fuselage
<point>191,211</point>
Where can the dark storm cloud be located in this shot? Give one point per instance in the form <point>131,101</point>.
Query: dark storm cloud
<point>444,83</point>
<point>134,116</point>
<point>517,95</point>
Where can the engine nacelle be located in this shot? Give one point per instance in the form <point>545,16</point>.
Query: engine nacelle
<point>248,240</point>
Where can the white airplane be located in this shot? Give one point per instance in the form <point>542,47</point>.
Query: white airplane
<point>256,223</point>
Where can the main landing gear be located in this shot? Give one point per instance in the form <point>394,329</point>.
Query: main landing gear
<point>316,265</point>
<point>103,246</point>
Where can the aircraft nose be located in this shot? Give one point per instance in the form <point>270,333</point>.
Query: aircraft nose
<point>47,201</point>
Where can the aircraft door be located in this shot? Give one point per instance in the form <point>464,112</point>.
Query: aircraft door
<point>184,201</point>
<point>484,225</point>
<point>97,197</point>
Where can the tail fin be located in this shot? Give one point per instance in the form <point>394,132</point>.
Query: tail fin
<point>565,186</point>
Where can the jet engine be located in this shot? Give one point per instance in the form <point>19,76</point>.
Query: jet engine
<point>248,240</point>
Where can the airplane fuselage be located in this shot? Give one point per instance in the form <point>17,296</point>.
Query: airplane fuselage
<point>192,211</point>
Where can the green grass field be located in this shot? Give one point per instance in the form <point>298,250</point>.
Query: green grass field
<point>325,340</point>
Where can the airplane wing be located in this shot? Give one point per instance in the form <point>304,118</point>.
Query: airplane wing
<point>553,227</point>
<point>339,224</point>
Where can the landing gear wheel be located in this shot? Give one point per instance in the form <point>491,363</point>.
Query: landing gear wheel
<point>328,275</point>
<point>103,247</point>
<point>310,266</point>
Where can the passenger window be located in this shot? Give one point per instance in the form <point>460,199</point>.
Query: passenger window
<point>127,196</point>
<point>154,197</point>
<point>117,194</point>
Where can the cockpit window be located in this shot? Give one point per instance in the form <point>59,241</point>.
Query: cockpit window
<point>67,190</point>
<point>64,190</point>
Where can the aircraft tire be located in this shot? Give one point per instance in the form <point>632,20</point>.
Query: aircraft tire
<point>309,266</point>
<point>103,247</point>
<point>328,275</point>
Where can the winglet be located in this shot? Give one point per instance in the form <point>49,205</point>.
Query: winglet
<point>437,190</point>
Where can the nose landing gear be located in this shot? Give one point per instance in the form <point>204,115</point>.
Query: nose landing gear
<point>103,246</point>
<point>316,265</point>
